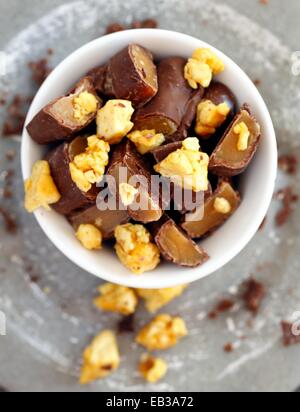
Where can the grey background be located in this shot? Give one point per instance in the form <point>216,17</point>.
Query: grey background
<point>47,331</point>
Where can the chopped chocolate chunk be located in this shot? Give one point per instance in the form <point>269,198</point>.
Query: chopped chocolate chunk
<point>257,82</point>
<point>212,315</point>
<point>228,348</point>
<point>289,338</point>
<point>170,110</point>
<point>288,197</point>
<point>10,222</point>
<point>175,245</point>
<point>288,163</point>
<point>56,121</point>
<point>133,75</point>
<point>127,324</point>
<point>228,159</point>
<point>254,294</point>
<point>40,70</point>
<point>114,28</point>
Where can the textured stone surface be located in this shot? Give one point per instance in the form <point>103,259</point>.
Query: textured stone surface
<point>50,322</point>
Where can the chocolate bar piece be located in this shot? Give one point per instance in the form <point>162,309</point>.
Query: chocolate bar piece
<point>218,93</point>
<point>56,121</point>
<point>227,160</point>
<point>72,198</point>
<point>171,107</point>
<point>126,156</point>
<point>105,220</point>
<point>161,152</point>
<point>175,246</point>
<point>207,219</point>
<point>131,75</point>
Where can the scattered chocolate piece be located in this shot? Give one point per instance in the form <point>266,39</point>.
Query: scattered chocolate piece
<point>145,24</point>
<point>114,28</point>
<point>288,197</point>
<point>263,224</point>
<point>50,51</point>
<point>264,2</point>
<point>10,222</point>
<point>10,155</point>
<point>225,305</point>
<point>257,82</point>
<point>14,122</point>
<point>222,306</point>
<point>228,348</point>
<point>40,70</point>
<point>288,163</point>
<point>254,294</point>
<point>127,324</point>
<point>289,338</point>
<point>8,182</point>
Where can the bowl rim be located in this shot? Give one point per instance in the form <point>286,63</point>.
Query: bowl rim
<point>188,275</point>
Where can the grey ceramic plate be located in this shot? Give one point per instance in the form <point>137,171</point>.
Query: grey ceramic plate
<point>51,321</point>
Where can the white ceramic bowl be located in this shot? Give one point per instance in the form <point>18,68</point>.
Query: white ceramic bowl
<point>257,184</point>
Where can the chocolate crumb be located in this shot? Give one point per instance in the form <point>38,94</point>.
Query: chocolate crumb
<point>114,28</point>
<point>50,51</point>
<point>14,122</point>
<point>254,294</point>
<point>288,197</point>
<point>40,70</point>
<point>288,163</point>
<point>10,223</point>
<point>225,305</point>
<point>257,82</point>
<point>222,306</point>
<point>264,2</point>
<point>263,224</point>
<point>145,24</point>
<point>10,155</point>
<point>288,337</point>
<point>228,348</point>
<point>127,324</point>
<point>212,315</point>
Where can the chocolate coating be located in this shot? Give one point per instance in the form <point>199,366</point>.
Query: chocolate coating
<point>126,156</point>
<point>218,93</point>
<point>175,245</point>
<point>50,125</point>
<point>132,75</point>
<point>72,198</point>
<point>171,107</point>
